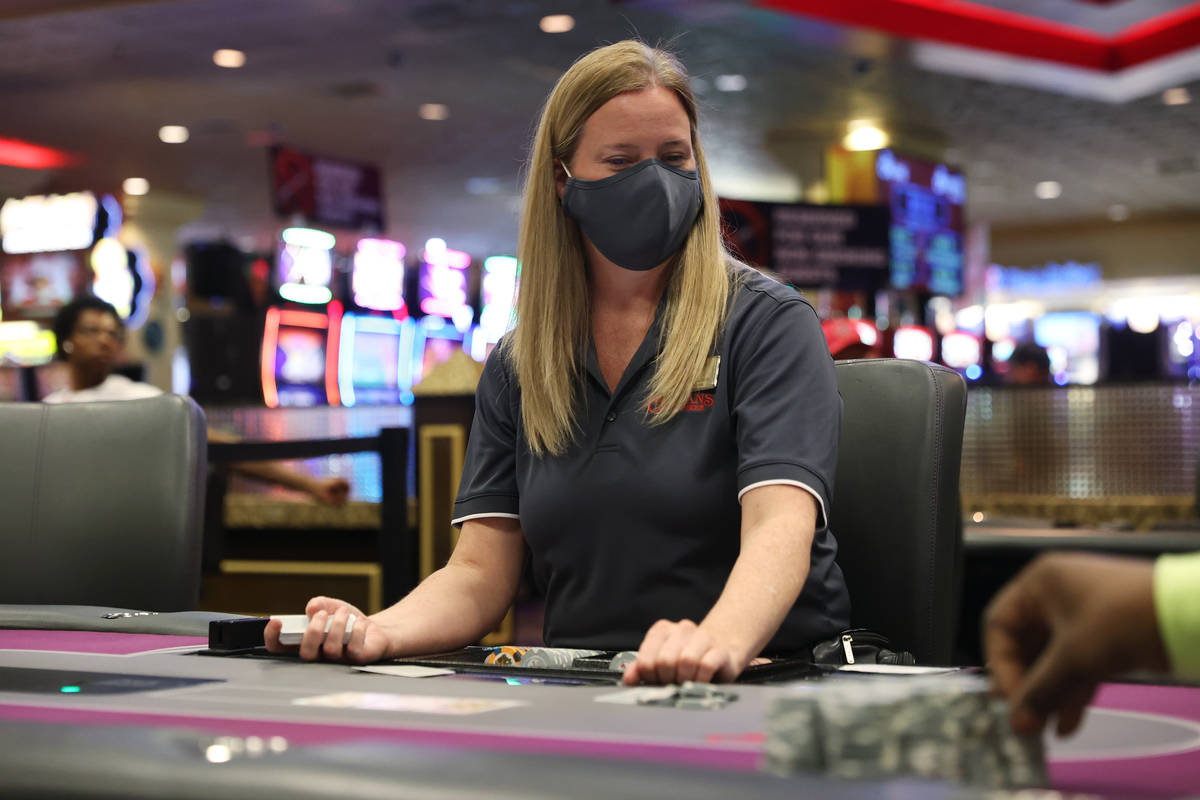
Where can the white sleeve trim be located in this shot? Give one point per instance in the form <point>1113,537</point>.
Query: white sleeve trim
<point>786,482</point>
<point>461,520</point>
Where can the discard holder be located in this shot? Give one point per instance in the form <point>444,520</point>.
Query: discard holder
<point>233,636</point>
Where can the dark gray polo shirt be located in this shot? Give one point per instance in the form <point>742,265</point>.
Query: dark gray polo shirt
<point>635,523</point>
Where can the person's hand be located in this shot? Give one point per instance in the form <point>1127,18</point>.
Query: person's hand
<point>674,652</point>
<point>1064,624</point>
<point>369,641</point>
<point>330,491</point>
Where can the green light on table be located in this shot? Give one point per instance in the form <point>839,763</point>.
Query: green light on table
<point>513,681</point>
<point>70,690</point>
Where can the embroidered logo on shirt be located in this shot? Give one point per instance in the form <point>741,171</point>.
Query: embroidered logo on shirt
<point>699,401</point>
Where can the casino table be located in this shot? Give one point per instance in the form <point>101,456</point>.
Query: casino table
<point>123,712</point>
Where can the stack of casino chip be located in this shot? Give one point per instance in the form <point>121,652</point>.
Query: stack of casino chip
<point>943,727</point>
<point>555,657</point>
<point>537,657</point>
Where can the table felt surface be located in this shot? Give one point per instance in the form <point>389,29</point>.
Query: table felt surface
<point>1137,741</point>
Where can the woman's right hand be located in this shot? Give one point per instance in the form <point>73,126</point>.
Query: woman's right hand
<point>369,641</point>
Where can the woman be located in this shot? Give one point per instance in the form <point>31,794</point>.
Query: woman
<point>653,398</point>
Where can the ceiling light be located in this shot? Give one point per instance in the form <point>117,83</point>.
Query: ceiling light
<point>1048,190</point>
<point>173,134</point>
<point>433,111</point>
<point>557,23</point>
<point>730,83</point>
<point>864,135</point>
<point>1179,96</point>
<point>1118,212</point>
<point>135,187</point>
<point>230,59</point>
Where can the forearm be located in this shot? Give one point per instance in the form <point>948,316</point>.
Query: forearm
<point>269,471</point>
<point>763,586</point>
<point>272,472</point>
<point>454,607</point>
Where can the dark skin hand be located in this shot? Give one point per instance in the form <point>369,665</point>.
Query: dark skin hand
<point>1063,625</point>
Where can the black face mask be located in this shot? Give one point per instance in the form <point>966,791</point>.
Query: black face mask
<point>639,217</point>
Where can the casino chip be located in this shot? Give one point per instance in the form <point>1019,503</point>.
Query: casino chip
<point>537,657</point>
<point>945,727</point>
<point>689,696</point>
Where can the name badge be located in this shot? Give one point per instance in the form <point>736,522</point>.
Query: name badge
<point>708,380</point>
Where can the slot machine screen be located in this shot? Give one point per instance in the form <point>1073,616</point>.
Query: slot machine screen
<point>1072,340</point>
<point>377,280</point>
<point>36,285</point>
<point>499,292</point>
<point>301,356</point>
<point>25,343</point>
<point>376,359</point>
<point>926,234</point>
<point>305,266</point>
<point>445,284</point>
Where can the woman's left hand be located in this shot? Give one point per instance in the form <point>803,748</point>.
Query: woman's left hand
<point>674,652</point>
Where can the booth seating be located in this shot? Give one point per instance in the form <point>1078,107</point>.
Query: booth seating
<point>896,501</point>
<point>103,503</point>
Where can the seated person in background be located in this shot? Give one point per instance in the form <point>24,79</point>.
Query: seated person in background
<point>1069,621</point>
<point>1029,365</point>
<point>90,334</point>
<point>659,432</point>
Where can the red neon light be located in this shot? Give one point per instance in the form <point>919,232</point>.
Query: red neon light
<point>1158,37</point>
<point>962,23</point>
<point>304,319</point>
<point>16,153</point>
<point>331,353</point>
<point>270,343</point>
<point>984,28</point>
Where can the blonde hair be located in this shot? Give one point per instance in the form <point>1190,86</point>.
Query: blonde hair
<point>548,346</point>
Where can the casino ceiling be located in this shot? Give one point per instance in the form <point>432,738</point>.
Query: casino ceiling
<point>1015,91</point>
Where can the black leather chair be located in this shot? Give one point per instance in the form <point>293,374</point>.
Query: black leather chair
<point>896,509</point>
<point>102,503</point>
